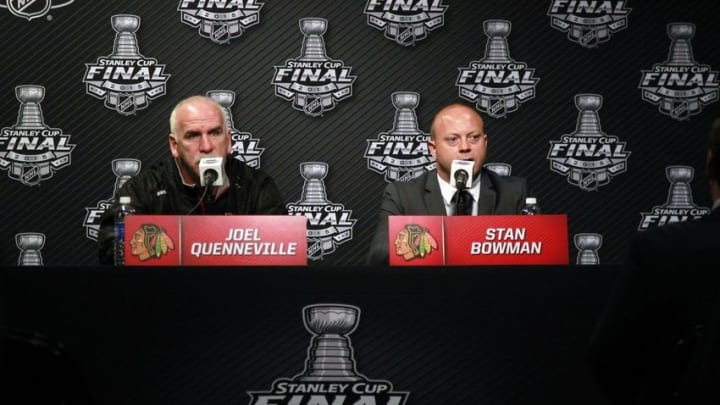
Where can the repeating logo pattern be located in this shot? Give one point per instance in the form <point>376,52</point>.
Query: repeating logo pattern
<point>330,375</point>
<point>313,82</point>
<point>680,87</point>
<point>497,84</point>
<point>30,244</point>
<point>30,150</point>
<point>588,157</point>
<point>31,9</point>
<point>220,21</point>
<point>589,23</point>
<point>405,22</point>
<point>679,206</point>
<point>588,245</point>
<point>329,224</point>
<point>125,79</point>
<point>244,146</point>
<point>401,154</point>
<point>124,170</point>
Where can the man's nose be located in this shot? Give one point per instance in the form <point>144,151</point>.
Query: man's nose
<point>206,144</point>
<point>464,144</point>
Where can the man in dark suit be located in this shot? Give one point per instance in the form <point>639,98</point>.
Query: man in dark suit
<point>657,341</point>
<point>457,133</point>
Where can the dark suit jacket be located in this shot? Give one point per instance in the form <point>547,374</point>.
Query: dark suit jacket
<point>500,195</point>
<point>656,342</point>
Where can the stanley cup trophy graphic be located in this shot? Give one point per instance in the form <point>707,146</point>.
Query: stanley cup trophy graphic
<point>125,47</point>
<point>588,244</point>
<point>330,356</point>
<point>680,54</point>
<point>497,50</point>
<point>124,169</point>
<point>503,169</point>
<point>313,45</point>
<point>313,50</point>
<point>406,123</point>
<point>30,115</point>
<point>226,99</point>
<point>30,244</point>
<point>313,191</point>
<point>679,194</point>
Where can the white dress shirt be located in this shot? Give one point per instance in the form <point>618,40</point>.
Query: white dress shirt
<point>448,191</point>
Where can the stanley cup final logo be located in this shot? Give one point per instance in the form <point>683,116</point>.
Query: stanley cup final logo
<point>125,79</point>
<point>220,21</point>
<point>588,157</point>
<point>124,170</point>
<point>31,151</point>
<point>329,224</point>
<point>330,375</point>
<point>30,244</point>
<point>497,84</point>
<point>680,87</point>
<point>405,22</point>
<point>588,245</point>
<point>401,154</point>
<point>679,206</point>
<point>313,81</point>
<point>244,146</point>
<point>31,9</point>
<point>588,23</point>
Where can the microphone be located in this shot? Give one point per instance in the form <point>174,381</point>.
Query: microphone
<point>461,177</point>
<point>461,173</point>
<point>211,169</point>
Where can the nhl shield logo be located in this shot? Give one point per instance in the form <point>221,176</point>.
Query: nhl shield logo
<point>31,9</point>
<point>220,32</point>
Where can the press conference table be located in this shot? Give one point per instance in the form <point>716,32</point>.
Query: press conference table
<point>485,335</point>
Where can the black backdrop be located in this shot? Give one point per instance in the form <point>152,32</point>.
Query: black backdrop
<point>52,51</point>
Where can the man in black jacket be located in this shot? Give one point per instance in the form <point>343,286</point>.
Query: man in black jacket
<point>457,133</point>
<point>658,341</point>
<point>198,129</point>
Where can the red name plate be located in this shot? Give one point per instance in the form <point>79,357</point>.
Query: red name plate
<point>480,240</point>
<point>506,239</point>
<point>215,240</point>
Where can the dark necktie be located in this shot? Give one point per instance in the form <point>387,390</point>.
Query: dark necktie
<point>463,202</point>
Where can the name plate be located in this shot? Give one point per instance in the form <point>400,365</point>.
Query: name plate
<point>215,240</point>
<point>478,240</point>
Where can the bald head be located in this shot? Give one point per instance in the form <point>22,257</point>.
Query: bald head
<point>453,112</point>
<point>192,103</point>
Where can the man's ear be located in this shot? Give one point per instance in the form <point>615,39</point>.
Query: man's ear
<point>431,148</point>
<point>172,142</point>
<point>229,142</point>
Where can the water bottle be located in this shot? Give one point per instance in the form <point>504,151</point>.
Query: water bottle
<point>531,207</point>
<point>124,210</point>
